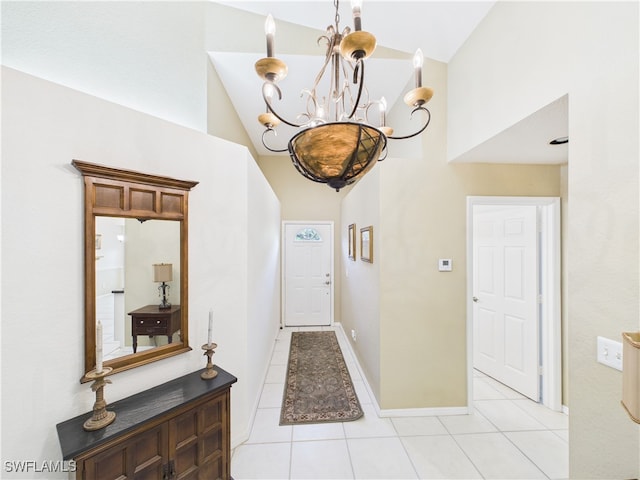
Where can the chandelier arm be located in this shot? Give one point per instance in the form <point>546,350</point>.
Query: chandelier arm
<point>334,84</point>
<point>331,44</point>
<point>267,146</point>
<point>358,70</point>
<point>384,153</point>
<point>421,129</point>
<point>327,57</point>
<point>270,106</point>
<point>345,91</point>
<point>367,106</point>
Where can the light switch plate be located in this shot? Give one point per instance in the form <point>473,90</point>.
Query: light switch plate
<point>610,353</point>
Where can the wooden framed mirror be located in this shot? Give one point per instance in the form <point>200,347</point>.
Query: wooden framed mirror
<point>136,266</point>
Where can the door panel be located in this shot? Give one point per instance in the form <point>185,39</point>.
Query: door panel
<point>505,289</point>
<point>513,339</point>
<point>308,283</point>
<point>485,338</point>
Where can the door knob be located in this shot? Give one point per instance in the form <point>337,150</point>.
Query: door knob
<point>475,299</point>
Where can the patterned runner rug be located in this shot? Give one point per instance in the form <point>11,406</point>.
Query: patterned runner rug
<point>318,387</point>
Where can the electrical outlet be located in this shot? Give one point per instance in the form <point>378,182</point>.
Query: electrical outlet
<point>610,353</point>
<point>353,335</point>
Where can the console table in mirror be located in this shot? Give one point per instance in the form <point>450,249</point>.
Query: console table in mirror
<point>135,250</point>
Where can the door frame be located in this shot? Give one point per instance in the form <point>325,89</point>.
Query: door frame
<point>283,265</point>
<point>550,319</point>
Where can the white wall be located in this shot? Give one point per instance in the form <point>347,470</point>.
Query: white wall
<point>44,127</point>
<point>527,67</point>
<point>522,56</point>
<point>149,56</point>
<point>263,281</point>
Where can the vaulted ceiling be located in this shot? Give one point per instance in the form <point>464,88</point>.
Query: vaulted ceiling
<point>439,28</point>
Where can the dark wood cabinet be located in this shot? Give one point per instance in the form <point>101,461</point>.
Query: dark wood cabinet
<point>153,320</point>
<point>178,430</point>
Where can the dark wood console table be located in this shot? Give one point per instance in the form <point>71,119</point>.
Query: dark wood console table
<point>180,429</point>
<point>152,320</point>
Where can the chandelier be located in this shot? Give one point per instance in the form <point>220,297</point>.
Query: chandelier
<point>337,143</point>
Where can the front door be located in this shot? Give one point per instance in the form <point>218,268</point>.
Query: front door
<point>505,295</point>
<point>308,282</point>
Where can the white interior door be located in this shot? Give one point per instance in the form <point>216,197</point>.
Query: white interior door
<point>308,282</point>
<point>505,296</point>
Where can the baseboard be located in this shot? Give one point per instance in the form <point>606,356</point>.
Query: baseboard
<point>423,412</point>
<point>398,412</point>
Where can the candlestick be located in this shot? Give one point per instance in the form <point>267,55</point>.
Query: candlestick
<point>101,417</point>
<point>270,30</point>
<point>418,60</point>
<point>99,347</point>
<point>210,332</point>
<point>209,372</point>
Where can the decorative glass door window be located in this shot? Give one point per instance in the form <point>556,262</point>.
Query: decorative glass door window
<point>308,235</point>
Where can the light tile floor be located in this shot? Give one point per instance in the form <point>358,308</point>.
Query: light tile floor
<point>507,437</point>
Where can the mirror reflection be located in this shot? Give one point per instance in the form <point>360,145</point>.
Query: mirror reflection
<point>137,284</point>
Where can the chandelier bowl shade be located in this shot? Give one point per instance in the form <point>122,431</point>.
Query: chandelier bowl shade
<point>336,153</point>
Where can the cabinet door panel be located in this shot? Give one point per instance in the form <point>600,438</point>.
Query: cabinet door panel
<point>211,437</point>
<point>149,453</point>
<point>212,469</point>
<point>109,465</point>
<point>141,458</point>
<point>196,441</point>
<point>183,435</point>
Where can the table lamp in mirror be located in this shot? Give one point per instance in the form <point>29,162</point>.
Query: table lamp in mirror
<point>163,273</point>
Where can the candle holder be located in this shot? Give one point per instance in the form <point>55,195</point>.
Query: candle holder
<point>101,417</point>
<point>209,373</point>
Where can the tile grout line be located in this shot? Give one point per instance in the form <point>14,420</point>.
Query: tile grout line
<point>525,455</point>
<point>502,432</point>
<point>466,455</point>
<point>404,448</point>
<point>346,442</point>
<point>463,450</point>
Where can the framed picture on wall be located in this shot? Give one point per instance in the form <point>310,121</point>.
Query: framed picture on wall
<point>352,242</point>
<point>366,244</point>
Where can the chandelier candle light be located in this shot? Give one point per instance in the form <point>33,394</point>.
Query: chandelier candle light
<point>337,144</point>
